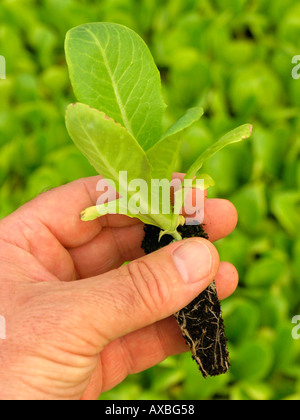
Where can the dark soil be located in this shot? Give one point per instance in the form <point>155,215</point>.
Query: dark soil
<point>201,321</point>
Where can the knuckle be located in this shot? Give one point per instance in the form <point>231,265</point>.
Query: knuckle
<point>151,284</point>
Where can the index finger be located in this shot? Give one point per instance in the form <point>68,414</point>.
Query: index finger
<point>59,210</point>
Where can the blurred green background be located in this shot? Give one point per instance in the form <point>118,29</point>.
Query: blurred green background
<point>235,59</point>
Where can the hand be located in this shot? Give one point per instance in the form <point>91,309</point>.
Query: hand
<point>77,321</point>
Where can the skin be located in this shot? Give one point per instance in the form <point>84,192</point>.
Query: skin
<point>71,309</point>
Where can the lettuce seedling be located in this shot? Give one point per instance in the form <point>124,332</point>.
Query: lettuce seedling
<point>117,124</point>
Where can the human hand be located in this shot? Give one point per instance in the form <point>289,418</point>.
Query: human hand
<point>77,321</point>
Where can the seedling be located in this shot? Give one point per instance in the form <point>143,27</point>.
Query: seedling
<point>117,125</point>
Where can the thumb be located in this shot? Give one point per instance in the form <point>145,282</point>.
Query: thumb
<point>147,290</point>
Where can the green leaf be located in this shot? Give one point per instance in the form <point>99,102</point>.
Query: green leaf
<point>106,144</point>
<point>242,319</point>
<point>113,207</point>
<point>163,157</point>
<point>164,154</point>
<point>234,136</point>
<point>112,150</point>
<point>285,207</point>
<point>191,116</point>
<point>266,272</point>
<point>112,69</point>
<point>252,361</point>
<point>122,207</point>
<point>252,206</point>
<point>207,181</point>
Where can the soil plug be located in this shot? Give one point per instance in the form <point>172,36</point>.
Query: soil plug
<point>201,322</point>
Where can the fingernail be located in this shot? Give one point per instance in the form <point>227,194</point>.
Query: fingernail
<point>193,260</point>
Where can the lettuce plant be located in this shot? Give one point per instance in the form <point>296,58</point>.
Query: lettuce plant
<point>118,125</point>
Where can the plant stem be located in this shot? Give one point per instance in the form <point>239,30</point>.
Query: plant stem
<point>176,235</point>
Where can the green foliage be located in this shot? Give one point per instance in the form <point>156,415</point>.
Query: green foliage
<point>233,136</point>
<point>234,60</point>
<point>106,144</point>
<point>170,144</point>
<point>112,70</point>
<point>113,73</point>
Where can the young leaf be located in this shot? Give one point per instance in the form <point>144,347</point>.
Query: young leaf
<point>111,149</point>
<point>113,207</point>
<point>163,157</point>
<point>207,181</point>
<point>167,222</point>
<point>106,144</point>
<point>164,154</point>
<point>235,136</point>
<point>191,116</point>
<point>112,69</point>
